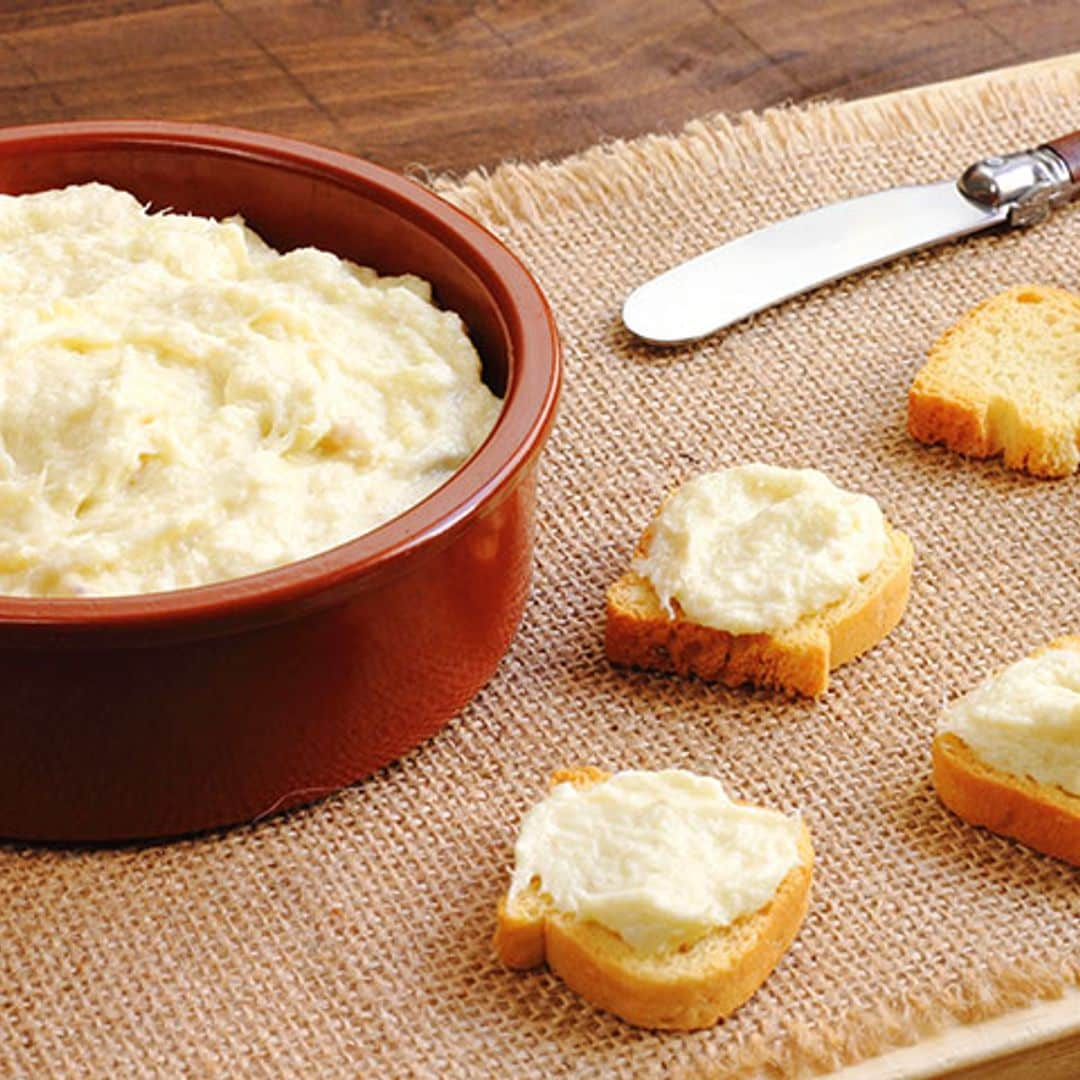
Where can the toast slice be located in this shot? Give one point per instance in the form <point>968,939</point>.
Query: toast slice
<point>680,989</point>
<point>639,633</point>
<point>1043,816</point>
<point>1006,380</point>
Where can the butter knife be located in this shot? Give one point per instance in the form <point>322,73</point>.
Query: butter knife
<point>762,268</point>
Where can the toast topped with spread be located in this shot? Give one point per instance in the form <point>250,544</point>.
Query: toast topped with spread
<point>760,575</point>
<point>654,895</point>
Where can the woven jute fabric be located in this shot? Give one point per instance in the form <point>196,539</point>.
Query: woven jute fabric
<point>353,937</point>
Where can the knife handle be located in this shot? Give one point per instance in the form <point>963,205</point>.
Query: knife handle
<point>1068,149</point>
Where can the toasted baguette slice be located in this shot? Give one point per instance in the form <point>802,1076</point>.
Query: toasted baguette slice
<point>1043,816</point>
<point>1005,380</point>
<point>640,633</point>
<point>679,989</point>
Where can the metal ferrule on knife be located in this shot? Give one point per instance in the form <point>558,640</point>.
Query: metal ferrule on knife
<point>1030,184</point>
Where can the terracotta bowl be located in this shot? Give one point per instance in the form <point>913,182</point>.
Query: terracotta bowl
<point>167,713</point>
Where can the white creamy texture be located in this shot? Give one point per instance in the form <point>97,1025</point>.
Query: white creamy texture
<point>180,404</point>
<point>660,858</point>
<point>1026,719</point>
<point>753,549</point>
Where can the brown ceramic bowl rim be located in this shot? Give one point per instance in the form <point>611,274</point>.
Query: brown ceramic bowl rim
<point>533,385</point>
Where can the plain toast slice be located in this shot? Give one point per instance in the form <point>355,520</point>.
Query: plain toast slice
<point>1006,380</point>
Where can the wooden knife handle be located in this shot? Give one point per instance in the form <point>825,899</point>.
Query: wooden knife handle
<point>1068,149</point>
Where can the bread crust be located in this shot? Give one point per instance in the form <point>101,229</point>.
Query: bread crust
<point>1043,816</point>
<point>981,421</point>
<point>678,990</point>
<point>639,633</point>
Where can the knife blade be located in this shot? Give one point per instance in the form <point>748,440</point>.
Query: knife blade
<point>755,271</point>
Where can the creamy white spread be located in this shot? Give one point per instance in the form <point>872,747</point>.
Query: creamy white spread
<point>660,858</point>
<point>1026,719</point>
<point>753,549</point>
<point>181,404</point>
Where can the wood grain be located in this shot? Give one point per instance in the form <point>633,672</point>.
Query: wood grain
<point>1059,1060</point>
<point>450,84</point>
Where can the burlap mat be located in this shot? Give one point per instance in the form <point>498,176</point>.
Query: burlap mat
<point>351,938</point>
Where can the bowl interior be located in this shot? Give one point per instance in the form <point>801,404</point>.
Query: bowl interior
<point>363,213</point>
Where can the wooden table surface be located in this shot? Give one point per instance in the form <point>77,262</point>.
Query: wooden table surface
<point>452,84</point>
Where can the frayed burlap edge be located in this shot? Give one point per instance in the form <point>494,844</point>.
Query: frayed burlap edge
<point>514,193</point>
<point>807,1050</point>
